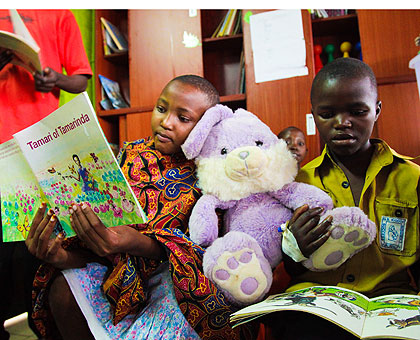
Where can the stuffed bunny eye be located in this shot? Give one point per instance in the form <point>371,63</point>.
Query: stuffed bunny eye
<point>223,151</point>
<point>259,143</point>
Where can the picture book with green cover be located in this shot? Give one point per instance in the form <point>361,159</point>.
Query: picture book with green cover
<point>61,160</point>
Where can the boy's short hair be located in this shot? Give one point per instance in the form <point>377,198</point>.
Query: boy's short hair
<point>202,84</point>
<point>344,68</point>
<point>290,128</point>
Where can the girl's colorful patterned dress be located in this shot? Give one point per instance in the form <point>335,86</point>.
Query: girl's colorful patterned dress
<point>134,289</point>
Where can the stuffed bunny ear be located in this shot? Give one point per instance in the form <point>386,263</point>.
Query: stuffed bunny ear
<point>195,140</point>
<point>245,113</point>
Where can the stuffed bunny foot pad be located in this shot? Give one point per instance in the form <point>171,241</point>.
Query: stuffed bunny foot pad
<point>239,273</point>
<point>344,242</point>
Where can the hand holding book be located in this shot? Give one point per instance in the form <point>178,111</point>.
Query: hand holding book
<point>63,160</point>
<point>6,57</point>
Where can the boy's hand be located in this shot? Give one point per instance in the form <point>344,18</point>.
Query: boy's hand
<point>41,245</point>
<point>46,81</point>
<point>308,233</point>
<point>6,57</point>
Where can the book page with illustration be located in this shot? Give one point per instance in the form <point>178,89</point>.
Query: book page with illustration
<point>390,316</point>
<point>73,163</point>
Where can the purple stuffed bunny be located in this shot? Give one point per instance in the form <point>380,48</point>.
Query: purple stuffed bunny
<point>245,170</point>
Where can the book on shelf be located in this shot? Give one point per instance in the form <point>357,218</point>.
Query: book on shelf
<point>108,43</point>
<point>226,23</point>
<point>22,44</point>
<point>112,90</point>
<point>327,13</point>
<point>241,85</point>
<point>238,23</point>
<point>116,36</point>
<point>62,160</point>
<point>394,316</point>
<point>229,25</point>
<point>107,49</point>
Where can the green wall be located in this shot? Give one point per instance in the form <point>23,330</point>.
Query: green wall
<point>86,20</point>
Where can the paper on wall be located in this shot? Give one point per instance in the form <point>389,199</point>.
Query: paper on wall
<point>278,45</point>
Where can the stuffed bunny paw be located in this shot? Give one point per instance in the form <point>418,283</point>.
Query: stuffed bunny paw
<point>235,263</point>
<point>351,232</point>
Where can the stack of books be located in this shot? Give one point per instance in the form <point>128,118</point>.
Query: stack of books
<point>327,13</point>
<point>111,94</point>
<point>230,24</point>
<point>113,40</point>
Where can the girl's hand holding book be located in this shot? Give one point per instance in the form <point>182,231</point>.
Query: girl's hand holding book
<point>105,241</point>
<point>50,250</point>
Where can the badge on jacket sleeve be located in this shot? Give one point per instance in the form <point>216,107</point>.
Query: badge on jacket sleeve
<point>392,232</point>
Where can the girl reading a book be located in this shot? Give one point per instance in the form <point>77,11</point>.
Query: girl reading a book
<point>138,281</point>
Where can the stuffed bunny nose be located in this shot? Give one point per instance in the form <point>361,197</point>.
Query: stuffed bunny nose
<point>244,154</point>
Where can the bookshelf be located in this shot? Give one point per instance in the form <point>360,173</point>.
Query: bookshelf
<point>335,30</point>
<point>157,54</point>
<point>115,67</point>
<point>221,58</point>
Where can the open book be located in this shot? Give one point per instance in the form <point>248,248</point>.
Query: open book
<point>22,44</point>
<point>388,316</point>
<point>63,159</point>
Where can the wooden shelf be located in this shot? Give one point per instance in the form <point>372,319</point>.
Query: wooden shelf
<point>118,58</point>
<point>124,111</point>
<point>336,18</point>
<point>233,98</point>
<point>404,78</point>
<point>219,39</point>
<point>342,24</point>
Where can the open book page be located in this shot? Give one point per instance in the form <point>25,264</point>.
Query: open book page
<point>393,316</point>
<point>20,193</point>
<point>21,42</point>
<point>340,306</point>
<point>73,163</point>
<point>20,28</point>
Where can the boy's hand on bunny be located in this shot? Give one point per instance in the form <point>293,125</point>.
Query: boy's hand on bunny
<point>40,243</point>
<point>306,229</point>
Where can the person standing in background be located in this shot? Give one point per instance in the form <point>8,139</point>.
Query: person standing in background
<point>26,98</point>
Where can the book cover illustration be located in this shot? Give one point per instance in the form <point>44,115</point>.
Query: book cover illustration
<point>396,316</point>
<point>112,90</point>
<point>72,163</point>
<point>20,193</point>
<point>21,43</point>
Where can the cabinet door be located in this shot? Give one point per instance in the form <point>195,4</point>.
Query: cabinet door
<point>399,122</point>
<point>387,38</point>
<point>158,53</point>
<point>285,102</point>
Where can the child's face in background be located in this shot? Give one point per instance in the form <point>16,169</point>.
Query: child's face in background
<point>295,141</point>
<point>179,107</point>
<point>345,111</point>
